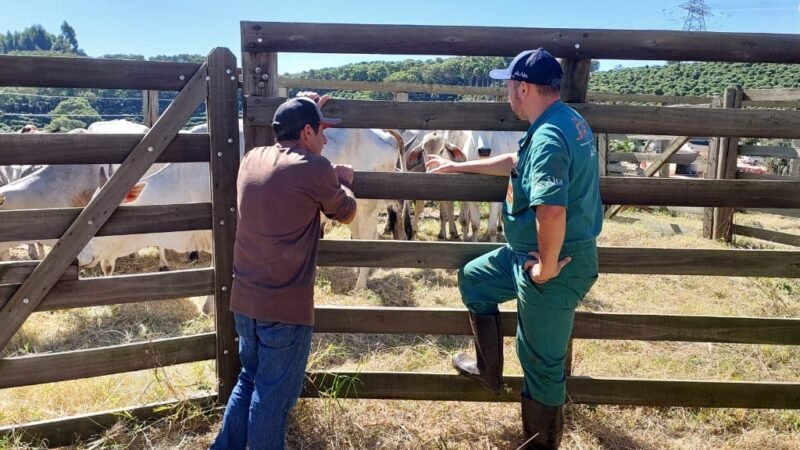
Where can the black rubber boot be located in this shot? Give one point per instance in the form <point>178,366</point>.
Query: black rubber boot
<point>487,366</point>
<point>543,425</point>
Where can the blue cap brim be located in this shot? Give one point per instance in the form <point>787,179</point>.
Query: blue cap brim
<point>500,74</point>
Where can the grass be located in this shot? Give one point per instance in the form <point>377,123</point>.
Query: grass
<point>336,423</point>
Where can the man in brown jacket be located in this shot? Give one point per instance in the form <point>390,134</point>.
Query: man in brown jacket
<point>281,191</point>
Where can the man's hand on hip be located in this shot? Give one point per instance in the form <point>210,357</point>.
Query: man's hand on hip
<point>541,274</point>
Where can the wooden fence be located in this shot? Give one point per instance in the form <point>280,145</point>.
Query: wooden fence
<point>53,283</point>
<point>261,42</point>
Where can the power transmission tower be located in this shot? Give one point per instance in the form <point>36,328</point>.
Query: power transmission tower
<point>696,12</point>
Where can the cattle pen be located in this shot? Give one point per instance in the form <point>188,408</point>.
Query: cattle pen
<point>53,284</point>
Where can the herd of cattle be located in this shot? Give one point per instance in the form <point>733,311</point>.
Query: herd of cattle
<point>60,186</point>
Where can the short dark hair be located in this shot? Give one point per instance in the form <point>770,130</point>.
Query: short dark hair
<point>295,134</point>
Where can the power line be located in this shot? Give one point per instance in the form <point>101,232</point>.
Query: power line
<point>67,115</point>
<point>138,99</point>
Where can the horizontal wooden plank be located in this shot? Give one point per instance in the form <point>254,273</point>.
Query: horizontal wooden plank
<point>498,116</point>
<point>588,325</point>
<point>762,176</point>
<point>586,390</point>
<point>777,212</point>
<point>48,71</point>
<point>508,41</point>
<point>781,94</point>
<point>16,272</point>
<point>428,88</point>
<point>640,98</point>
<point>699,192</point>
<point>95,148</point>
<point>79,364</point>
<point>679,158</point>
<point>613,190</point>
<point>770,151</point>
<point>785,104</point>
<point>121,289</point>
<point>767,235</point>
<point>38,224</point>
<point>631,260</point>
<point>433,386</point>
<point>65,431</point>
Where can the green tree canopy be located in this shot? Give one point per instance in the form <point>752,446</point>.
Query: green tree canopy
<point>72,113</point>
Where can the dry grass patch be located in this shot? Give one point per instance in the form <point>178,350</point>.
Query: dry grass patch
<point>332,423</point>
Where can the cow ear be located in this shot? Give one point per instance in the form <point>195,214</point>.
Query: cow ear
<point>414,158</point>
<point>134,193</point>
<point>455,153</point>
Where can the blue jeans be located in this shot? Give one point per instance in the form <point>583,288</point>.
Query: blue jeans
<point>274,357</point>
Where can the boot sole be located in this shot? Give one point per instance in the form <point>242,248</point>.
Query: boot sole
<point>497,391</point>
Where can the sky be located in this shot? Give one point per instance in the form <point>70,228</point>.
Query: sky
<point>150,27</point>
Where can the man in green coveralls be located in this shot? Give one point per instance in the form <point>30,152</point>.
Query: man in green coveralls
<point>551,217</point>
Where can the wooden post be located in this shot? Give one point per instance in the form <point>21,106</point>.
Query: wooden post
<point>223,129</point>
<point>726,169</point>
<point>575,82</point>
<point>149,108</point>
<point>711,173</point>
<point>602,153</point>
<point>794,163</point>
<point>664,171</point>
<point>259,80</point>
<point>574,87</point>
<point>28,297</point>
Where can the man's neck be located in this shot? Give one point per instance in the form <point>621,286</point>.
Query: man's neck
<point>538,108</point>
<point>294,145</point>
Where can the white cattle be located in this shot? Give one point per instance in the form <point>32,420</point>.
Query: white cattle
<point>10,174</point>
<point>174,183</point>
<point>63,186</point>
<point>469,142</point>
<point>366,150</point>
<point>433,143</point>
